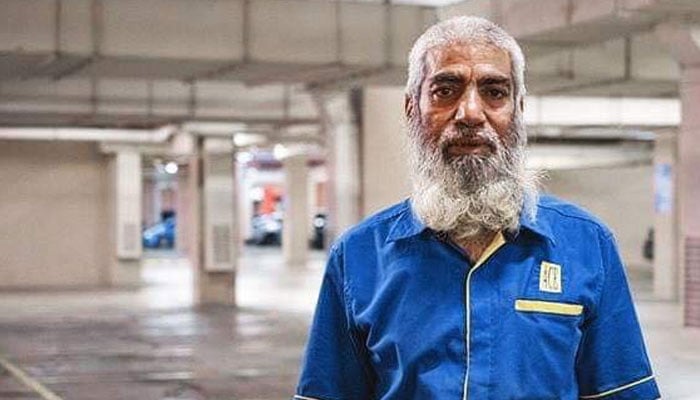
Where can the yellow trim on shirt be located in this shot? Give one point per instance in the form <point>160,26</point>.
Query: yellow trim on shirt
<point>621,388</point>
<point>497,242</point>
<point>548,307</point>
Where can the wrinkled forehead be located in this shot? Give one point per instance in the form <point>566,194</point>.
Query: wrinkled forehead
<point>468,54</point>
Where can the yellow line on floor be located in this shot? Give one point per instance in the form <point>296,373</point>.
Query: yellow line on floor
<point>27,380</point>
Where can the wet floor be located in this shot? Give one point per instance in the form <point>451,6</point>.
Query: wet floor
<point>152,344</point>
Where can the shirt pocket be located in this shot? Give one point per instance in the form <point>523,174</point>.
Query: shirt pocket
<point>537,346</point>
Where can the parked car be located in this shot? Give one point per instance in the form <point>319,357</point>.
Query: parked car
<point>648,248</point>
<point>160,235</point>
<point>267,229</point>
<point>318,240</point>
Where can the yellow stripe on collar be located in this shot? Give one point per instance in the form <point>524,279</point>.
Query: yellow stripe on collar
<point>498,241</point>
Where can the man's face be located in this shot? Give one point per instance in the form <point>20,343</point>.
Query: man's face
<point>467,140</point>
<point>466,100</point>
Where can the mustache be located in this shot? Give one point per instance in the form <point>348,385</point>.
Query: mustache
<point>469,137</point>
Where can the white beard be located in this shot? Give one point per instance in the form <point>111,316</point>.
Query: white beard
<point>470,195</point>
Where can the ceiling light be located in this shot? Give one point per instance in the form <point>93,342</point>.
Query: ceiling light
<point>171,168</point>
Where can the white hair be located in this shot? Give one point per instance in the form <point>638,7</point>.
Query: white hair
<point>460,30</point>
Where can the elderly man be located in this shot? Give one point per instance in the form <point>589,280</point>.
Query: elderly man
<point>476,287</point>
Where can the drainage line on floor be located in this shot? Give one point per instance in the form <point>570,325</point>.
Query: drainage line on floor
<point>27,380</point>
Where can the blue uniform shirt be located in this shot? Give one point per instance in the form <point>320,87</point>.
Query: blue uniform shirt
<point>546,313</point>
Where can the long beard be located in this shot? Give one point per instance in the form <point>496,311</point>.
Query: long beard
<point>469,195</point>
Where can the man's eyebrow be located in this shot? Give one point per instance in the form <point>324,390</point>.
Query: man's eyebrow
<point>495,80</point>
<point>446,77</point>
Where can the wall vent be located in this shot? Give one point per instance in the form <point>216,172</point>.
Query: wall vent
<point>131,236</point>
<point>692,281</point>
<point>220,164</point>
<point>222,244</point>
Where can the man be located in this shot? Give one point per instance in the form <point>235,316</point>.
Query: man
<point>475,288</point>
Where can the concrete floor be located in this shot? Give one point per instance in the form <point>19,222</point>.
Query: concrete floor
<point>151,343</point>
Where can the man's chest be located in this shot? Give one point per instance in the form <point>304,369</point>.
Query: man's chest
<point>433,321</point>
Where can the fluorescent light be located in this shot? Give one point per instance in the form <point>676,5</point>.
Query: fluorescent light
<point>280,151</point>
<point>171,168</point>
<point>248,139</point>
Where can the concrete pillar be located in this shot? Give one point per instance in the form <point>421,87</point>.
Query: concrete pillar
<point>127,177</point>
<point>149,205</point>
<point>217,234</point>
<point>682,42</point>
<point>295,230</point>
<point>245,205</point>
<point>340,114</point>
<point>689,194</point>
<point>666,277</point>
<point>185,222</point>
<point>183,147</point>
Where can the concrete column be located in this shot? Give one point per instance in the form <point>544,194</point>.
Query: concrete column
<point>682,42</point>
<point>666,277</point>
<point>217,234</point>
<point>184,210</point>
<point>340,116</point>
<point>295,231</point>
<point>182,147</point>
<point>245,205</point>
<point>689,194</point>
<point>149,216</point>
<point>127,176</point>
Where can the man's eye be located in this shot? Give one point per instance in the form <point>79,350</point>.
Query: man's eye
<point>444,92</point>
<point>496,93</point>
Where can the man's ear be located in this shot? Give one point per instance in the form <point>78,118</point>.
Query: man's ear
<point>408,106</point>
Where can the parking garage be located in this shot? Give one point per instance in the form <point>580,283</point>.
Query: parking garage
<point>173,173</point>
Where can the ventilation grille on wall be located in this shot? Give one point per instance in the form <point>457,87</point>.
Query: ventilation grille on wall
<point>222,244</point>
<point>131,236</point>
<point>220,164</point>
<point>692,281</point>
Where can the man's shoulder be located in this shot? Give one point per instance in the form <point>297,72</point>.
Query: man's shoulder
<point>378,225</point>
<point>564,214</point>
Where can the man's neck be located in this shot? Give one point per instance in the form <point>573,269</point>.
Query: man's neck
<point>476,245</point>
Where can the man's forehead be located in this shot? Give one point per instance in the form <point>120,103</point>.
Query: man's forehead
<point>467,53</point>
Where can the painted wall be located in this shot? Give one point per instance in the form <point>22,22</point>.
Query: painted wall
<point>622,197</point>
<point>384,169</point>
<point>54,214</point>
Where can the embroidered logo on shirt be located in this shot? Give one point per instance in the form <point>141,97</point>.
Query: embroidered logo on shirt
<point>550,277</point>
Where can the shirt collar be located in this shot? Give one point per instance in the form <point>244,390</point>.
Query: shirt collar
<point>408,224</point>
<point>537,224</point>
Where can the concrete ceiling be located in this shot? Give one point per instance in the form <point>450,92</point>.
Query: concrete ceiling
<point>139,63</point>
<point>591,47</point>
<point>142,63</point>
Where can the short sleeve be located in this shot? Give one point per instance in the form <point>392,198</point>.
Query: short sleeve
<point>612,362</point>
<point>334,366</point>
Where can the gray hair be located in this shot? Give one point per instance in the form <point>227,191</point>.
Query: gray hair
<point>464,29</point>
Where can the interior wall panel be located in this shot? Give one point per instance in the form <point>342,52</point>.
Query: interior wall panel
<point>54,208</point>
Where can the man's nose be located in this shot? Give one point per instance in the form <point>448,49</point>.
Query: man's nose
<point>470,110</point>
